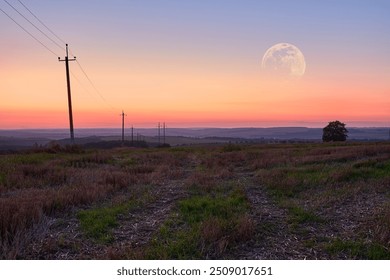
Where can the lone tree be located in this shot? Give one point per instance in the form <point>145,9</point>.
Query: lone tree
<point>335,131</point>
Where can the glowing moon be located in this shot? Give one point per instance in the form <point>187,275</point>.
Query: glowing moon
<point>284,59</point>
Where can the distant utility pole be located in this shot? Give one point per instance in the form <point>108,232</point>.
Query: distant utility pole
<point>159,133</point>
<point>123,127</point>
<point>69,94</point>
<point>164,132</point>
<point>132,135</point>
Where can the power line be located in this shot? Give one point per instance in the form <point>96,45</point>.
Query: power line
<point>25,30</point>
<point>80,83</point>
<point>93,85</point>
<point>45,46</point>
<point>86,89</point>
<point>58,45</point>
<point>51,31</point>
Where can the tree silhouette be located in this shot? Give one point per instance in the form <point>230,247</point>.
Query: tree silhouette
<point>335,131</point>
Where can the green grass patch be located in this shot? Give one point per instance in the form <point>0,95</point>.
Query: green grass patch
<point>301,216</point>
<point>173,243</point>
<point>363,170</point>
<point>130,161</point>
<point>377,170</point>
<point>33,158</point>
<point>97,223</point>
<point>205,225</point>
<point>358,250</point>
<point>199,208</point>
<point>291,181</point>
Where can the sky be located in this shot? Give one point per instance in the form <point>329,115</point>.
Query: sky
<point>194,63</point>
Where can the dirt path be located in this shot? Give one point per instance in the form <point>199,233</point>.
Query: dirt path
<point>137,227</point>
<point>63,238</point>
<point>274,237</point>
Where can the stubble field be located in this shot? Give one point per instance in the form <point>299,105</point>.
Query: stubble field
<point>282,201</point>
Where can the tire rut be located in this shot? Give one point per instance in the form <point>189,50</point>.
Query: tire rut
<point>273,238</point>
<point>137,227</point>
<point>63,238</point>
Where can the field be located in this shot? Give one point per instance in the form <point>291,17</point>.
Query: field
<point>226,201</point>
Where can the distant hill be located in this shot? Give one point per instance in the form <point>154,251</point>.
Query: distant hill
<point>14,139</point>
<point>16,143</point>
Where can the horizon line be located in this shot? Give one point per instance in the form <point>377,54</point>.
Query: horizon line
<point>183,127</point>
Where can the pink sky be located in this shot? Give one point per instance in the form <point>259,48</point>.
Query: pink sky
<point>159,64</point>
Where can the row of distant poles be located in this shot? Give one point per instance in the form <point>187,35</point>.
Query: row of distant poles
<point>160,126</point>
<point>163,127</point>
<point>71,127</point>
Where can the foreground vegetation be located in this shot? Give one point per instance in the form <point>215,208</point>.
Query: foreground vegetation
<point>283,201</point>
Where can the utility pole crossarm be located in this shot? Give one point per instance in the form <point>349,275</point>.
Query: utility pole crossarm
<point>69,92</point>
<point>67,56</point>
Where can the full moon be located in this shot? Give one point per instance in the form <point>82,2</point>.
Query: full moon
<point>284,59</point>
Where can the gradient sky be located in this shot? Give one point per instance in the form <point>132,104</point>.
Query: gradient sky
<point>196,63</point>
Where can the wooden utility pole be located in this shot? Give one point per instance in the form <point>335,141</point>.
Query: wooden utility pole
<point>132,135</point>
<point>69,94</point>
<point>159,133</point>
<point>164,132</point>
<point>123,127</point>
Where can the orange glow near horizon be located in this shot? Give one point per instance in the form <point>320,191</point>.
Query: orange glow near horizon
<point>187,73</point>
<point>228,104</point>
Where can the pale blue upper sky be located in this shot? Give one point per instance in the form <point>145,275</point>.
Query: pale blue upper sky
<point>214,25</point>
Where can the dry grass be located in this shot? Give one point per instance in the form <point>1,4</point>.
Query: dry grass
<point>380,227</point>
<point>37,185</point>
<point>345,186</point>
